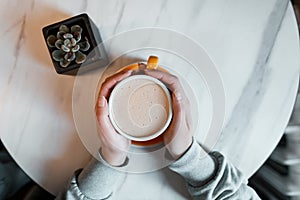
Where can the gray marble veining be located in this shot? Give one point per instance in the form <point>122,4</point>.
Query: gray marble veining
<point>247,40</point>
<point>257,84</point>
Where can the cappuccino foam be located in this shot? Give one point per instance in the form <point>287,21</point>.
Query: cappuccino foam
<point>140,107</point>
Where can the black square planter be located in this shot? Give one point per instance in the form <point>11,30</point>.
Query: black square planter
<point>96,54</point>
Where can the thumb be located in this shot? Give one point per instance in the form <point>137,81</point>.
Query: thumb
<point>101,107</point>
<point>177,102</point>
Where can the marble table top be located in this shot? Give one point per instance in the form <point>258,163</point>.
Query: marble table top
<point>254,45</point>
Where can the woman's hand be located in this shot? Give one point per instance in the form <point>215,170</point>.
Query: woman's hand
<point>178,136</point>
<point>113,145</point>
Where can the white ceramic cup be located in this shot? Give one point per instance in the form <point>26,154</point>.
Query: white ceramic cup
<point>116,100</point>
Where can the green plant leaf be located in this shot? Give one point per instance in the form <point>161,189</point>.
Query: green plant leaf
<point>76,48</point>
<point>76,28</point>
<point>60,35</point>
<point>84,46</point>
<point>64,28</point>
<point>64,63</point>
<point>65,48</point>
<point>69,56</point>
<point>68,36</point>
<point>58,43</point>
<point>77,36</point>
<point>51,39</point>
<point>80,57</point>
<point>58,55</point>
<point>73,42</point>
<point>67,43</point>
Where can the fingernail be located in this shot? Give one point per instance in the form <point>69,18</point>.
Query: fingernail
<point>178,95</point>
<point>101,102</point>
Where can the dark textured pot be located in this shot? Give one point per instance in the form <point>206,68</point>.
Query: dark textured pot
<point>96,54</point>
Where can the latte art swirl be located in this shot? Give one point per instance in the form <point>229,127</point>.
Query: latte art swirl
<point>146,107</point>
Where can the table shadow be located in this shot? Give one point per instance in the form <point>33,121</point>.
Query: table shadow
<point>59,170</point>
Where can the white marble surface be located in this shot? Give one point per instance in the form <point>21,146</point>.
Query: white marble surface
<point>259,68</point>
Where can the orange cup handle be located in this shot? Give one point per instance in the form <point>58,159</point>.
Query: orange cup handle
<point>152,62</point>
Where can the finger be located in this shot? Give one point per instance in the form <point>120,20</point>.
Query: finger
<point>188,115</point>
<point>171,80</point>
<point>174,130</point>
<point>178,96</point>
<point>178,107</point>
<point>111,81</point>
<point>103,119</point>
<point>101,109</point>
<point>108,131</point>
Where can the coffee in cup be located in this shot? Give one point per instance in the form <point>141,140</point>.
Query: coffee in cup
<point>140,107</point>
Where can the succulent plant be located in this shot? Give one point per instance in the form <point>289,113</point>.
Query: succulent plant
<point>69,45</point>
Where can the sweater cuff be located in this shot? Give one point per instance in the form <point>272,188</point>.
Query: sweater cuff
<point>188,165</point>
<point>97,180</point>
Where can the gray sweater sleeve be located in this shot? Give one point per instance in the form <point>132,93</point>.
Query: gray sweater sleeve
<point>211,177</point>
<point>96,181</point>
